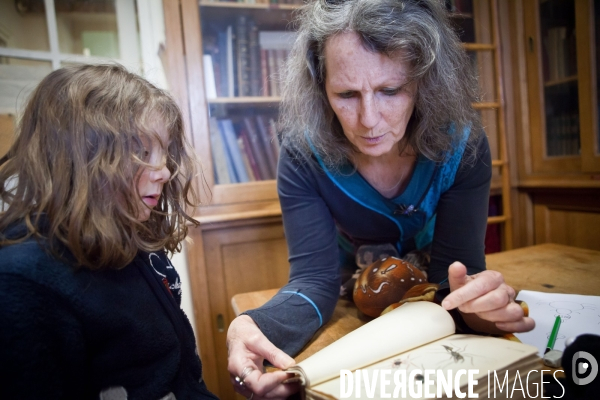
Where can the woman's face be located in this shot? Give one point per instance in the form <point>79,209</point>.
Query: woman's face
<point>150,180</point>
<point>369,94</point>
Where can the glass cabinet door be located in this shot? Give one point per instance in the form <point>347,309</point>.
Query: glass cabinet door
<point>559,66</point>
<point>590,144</point>
<point>244,47</point>
<point>562,76</point>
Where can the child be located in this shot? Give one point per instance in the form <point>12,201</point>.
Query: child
<point>92,193</point>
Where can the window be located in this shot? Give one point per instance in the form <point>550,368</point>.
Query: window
<point>39,36</point>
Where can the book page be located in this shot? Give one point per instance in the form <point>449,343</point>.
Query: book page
<point>450,355</point>
<point>404,328</point>
<point>578,313</point>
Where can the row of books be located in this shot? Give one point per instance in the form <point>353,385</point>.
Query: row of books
<point>244,150</point>
<point>562,135</point>
<point>559,59</point>
<point>239,60</point>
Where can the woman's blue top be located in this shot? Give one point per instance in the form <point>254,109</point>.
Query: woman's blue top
<point>330,213</point>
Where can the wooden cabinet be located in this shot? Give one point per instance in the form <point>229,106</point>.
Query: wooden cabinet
<point>562,78</point>
<point>553,59</point>
<point>226,258</point>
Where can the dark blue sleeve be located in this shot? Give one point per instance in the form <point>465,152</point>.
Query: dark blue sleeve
<point>307,302</point>
<point>42,352</point>
<point>461,219</point>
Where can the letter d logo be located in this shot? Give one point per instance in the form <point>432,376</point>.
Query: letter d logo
<point>580,368</point>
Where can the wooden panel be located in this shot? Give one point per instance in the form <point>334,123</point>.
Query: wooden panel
<point>573,228</point>
<point>236,256</point>
<point>201,303</point>
<point>570,218</point>
<point>7,133</point>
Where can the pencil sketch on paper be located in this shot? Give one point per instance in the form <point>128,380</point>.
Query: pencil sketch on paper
<point>578,313</point>
<point>569,309</point>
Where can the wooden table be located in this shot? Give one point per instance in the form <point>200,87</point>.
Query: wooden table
<point>545,268</point>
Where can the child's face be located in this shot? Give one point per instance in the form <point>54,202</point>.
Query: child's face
<point>151,179</point>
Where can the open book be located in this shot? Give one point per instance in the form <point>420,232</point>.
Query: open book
<point>412,346</point>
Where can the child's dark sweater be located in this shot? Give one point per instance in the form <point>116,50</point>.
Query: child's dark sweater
<point>81,334</point>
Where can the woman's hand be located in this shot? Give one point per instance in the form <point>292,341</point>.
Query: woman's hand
<point>486,302</point>
<point>248,347</point>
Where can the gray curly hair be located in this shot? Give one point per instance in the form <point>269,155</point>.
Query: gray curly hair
<point>417,30</point>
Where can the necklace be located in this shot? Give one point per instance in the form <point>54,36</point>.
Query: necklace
<point>396,185</point>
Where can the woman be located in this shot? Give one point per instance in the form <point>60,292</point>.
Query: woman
<point>380,146</point>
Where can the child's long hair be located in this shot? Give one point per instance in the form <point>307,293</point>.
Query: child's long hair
<point>74,166</point>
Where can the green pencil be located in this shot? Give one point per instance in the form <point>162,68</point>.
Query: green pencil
<point>553,334</point>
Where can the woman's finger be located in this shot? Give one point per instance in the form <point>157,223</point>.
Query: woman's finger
<point>496,299</point>
<point>471,288</point>
<point>524,325</point>
<point>510,313</point>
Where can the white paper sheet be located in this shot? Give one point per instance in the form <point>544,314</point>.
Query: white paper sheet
<point>579,314</point>
<point>404,328</point>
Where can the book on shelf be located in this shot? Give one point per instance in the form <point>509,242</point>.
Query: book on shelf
<point>251,155</point>
<point>233,150</point>
<point>274,139</point>
<point>219,155</point>
<point>231,64</point>
<point>255,61</point>
<point>562,135</point>
<point>273,74</point>
<point>415,340</point>
<point>243,55</point>
<point>245,152</point>
<point>266,142</point>
<point>210,86</point>
<point>260,152</point>
<point>222,64</point>
<point>264,72</point>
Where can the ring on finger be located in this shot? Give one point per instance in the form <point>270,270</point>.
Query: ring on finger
<point>251,396</point>
<point>245,372</point>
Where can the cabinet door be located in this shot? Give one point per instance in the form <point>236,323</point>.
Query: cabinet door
<point>235,86</point>
<point>590,101</point>
<point>226,259</point>
<point>562,79</point>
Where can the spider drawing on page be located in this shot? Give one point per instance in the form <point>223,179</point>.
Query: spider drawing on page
<point>457,355</point>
